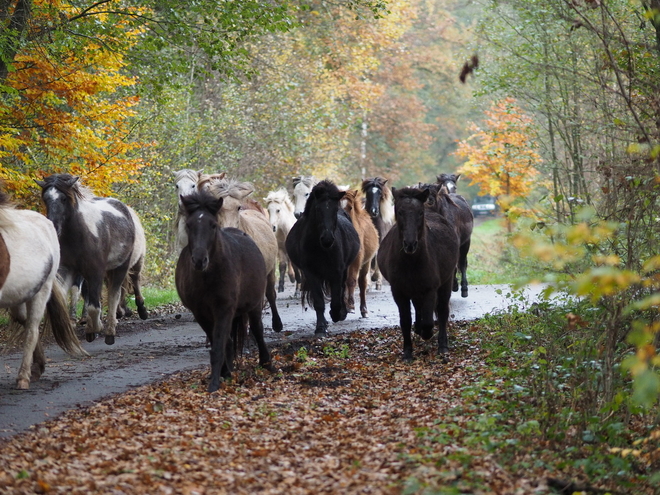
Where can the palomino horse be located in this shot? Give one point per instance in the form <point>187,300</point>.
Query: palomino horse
<point>379,205</point>
<point>221,278</point>
<point>100,238</point>
<point>254,223</point>
<point>302,186</point>
<point>322,244</point>
<point>280,214</point>
<point>358,272</point>
<point>29,259</point>
<point>458,213</point>
<point>418,258</point>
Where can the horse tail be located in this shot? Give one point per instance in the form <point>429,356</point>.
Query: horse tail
<point>239,333</point>
<point>57,316</point>
<point>306,291</point>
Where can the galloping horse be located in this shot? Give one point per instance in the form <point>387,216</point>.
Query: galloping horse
<point>99,238</point>
<point>322,244</point>
<point>378,203</point>
<point>418,258</point>
<point>458,213</point>
<point>280,214</point>
<point>358,271</point>
<point>221,278</point>
<point>254,223</point>
<point>302,187</point>
<point>29,259</point>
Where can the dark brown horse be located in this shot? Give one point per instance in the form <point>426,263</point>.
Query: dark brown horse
<point>378,203</point>
<point>458,213</point>
<point>221,278</point>
<point>418,258</point>
<point>322,244</point>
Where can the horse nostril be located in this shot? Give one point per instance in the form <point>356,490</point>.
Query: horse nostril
<point>274,228</point>
<point>297,215</point>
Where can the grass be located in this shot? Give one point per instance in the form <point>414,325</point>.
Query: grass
<point>491,260</point>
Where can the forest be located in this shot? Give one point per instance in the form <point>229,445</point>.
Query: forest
<point>552,106</point>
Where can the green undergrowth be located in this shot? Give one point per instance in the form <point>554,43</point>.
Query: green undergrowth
<point>540,409</point>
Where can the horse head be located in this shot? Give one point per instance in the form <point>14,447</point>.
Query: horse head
<point>373,191</point>
<point>409,208</point>
<point>186,181</point>
<point>201,210</point>
<point>449,181</point>
<point>278,204</point>
<point>302,187</point>
<point>60,194</point>
<point>322,209</point>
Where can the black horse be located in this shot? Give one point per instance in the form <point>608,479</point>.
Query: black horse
<point>378,202</point>
<point>418,258</point>
<point>449,181</point>
<point>322,244</point>
<point>221,278</point>
<point>458,213</point>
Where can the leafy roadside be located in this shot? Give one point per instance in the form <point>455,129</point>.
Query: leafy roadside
<point>344,414</point>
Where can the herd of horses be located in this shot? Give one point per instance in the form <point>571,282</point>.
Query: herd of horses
<point>327,239</point>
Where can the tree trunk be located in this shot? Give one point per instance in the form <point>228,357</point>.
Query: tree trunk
<point>14,27</point>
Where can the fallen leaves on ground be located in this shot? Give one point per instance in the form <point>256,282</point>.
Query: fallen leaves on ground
<point>344,415</point>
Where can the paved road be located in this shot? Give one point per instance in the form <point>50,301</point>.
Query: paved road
<point>150,350</point>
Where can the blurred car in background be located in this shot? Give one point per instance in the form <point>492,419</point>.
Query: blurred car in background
<point>485,206</point>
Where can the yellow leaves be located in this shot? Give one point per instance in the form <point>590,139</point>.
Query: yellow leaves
<point>69,117</point>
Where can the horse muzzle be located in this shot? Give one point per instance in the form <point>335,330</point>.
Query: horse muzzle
<point>200,263</point>
<point>327,240</point>
<point>297,214</point>
<point>410,247</point>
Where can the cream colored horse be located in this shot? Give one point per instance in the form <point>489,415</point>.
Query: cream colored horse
<point>237,213</point>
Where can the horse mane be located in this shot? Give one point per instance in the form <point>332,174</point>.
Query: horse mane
<point>200,201</point>
<point>72,189</point>
<point>307,180</point>
<point>280,196</point>
<point>324,187</point>
<point>187,173</point>
<point>221,188</point>
<point>352,200</point>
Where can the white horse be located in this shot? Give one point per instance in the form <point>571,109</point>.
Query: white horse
<point>302,186</point>
<point>280,213</point>
<point>29,260</point>
<point>185,184</point>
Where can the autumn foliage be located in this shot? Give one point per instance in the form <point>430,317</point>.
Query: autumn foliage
<point>67,107</point>
<point>501,155</point>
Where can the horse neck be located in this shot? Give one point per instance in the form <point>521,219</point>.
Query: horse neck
<point>286,219</point>
<point>386,209</point>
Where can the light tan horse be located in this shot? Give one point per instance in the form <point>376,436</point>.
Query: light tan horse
<point>238,213</point>
<point>280,213</point>
<point>358,271</point>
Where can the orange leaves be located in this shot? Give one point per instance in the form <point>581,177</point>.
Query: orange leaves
<point>68,115</point>
<point>501,156</point>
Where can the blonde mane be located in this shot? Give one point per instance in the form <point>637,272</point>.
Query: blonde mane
<point>280,196</point>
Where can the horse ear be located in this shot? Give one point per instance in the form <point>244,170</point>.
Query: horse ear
<point>41,183</point>
<point>458,176</point>
<point>296,180</point>
<point>216,205</point>
<point>423,195</point>
<point>73,180</point>
<point>393,190</point>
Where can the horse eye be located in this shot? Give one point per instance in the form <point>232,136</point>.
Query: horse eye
<point>277,211</point>
<point>194,185</point>
<point>177,186</point>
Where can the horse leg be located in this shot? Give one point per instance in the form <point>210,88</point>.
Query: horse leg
<point>257,330</point>
<point>442,310</point>
<point>338,310</point>
<point>425,306</point>
<point>463,264</point>
<point>115,281</point>
<point>32,312</point>
<point>282,266</point>
<point>291,270</point>
<point>318,300</point>
<point>271,296</point>
<point>405,322</point>
<point>137,291</point>
<point>38,362</point>
<point>221,330</point>
<point>351,283</point>
<point>92,295</point>
<point>362,282</point>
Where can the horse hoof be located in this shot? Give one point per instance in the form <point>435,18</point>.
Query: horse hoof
<point>277,326</point>
<point>110,339</point>
<point>321,332</point>
<point>142,311</point>
<point>364,313</point>
<point>379,286</point>
<point>214,385</point>
<point>464,293</point>
<point>22,384</point>
<point>269,367</point>
<point>407,358</point>
<point>90,337</point>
